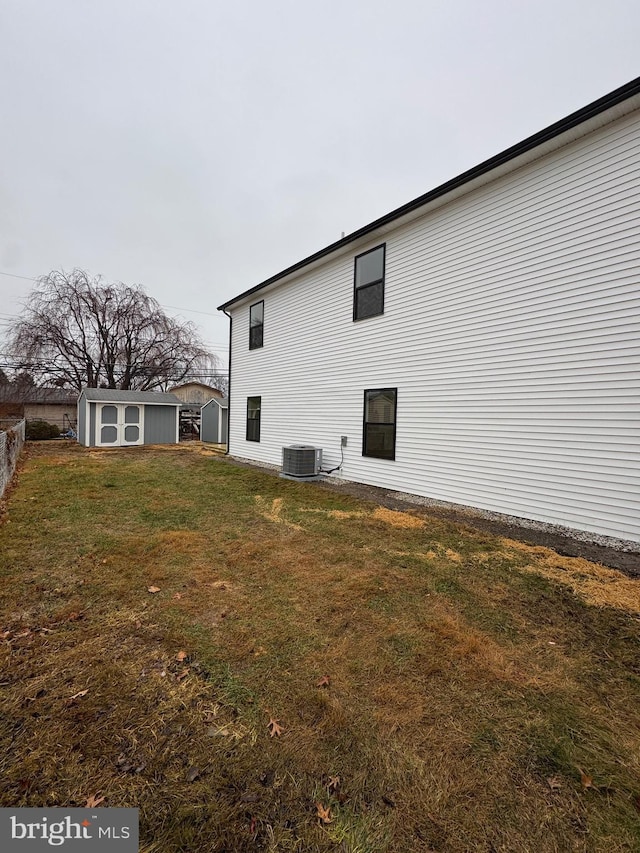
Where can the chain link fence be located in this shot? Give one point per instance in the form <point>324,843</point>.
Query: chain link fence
<point>11,442</point>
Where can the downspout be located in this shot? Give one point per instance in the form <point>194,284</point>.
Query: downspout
<point>226,453</point>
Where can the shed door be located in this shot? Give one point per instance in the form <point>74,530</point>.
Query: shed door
<point>119,425</point>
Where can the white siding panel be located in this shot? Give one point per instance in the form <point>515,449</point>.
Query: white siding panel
<point>510,330</point>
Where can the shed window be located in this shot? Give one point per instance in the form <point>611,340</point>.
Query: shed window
<point>379,432</point>
<point>109,415</point>
<point>253,418</point>
<point>368,294</point>
<point>256,325</point>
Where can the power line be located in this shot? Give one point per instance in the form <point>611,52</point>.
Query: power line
<point>15,275</point>
<point>172,307</point>
<point>41,367</point>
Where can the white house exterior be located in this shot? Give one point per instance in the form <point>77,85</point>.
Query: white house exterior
<point>507,340</point>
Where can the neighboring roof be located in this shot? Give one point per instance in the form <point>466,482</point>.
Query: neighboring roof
<point>195,382</point>
<point>110,395</point>
<point>63,396</point>
<point>593,109</point>
<point>223,402</point>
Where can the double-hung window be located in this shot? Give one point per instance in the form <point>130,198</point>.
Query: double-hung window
<point>254,405</point>
<point>379,431</point>
<point>256,325</point>
<point>368,288</point>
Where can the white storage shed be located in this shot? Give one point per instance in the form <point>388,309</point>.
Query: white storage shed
<point>112,418</point>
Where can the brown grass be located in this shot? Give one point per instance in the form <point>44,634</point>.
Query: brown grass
<point>467,686</point>
<point>594,583</point>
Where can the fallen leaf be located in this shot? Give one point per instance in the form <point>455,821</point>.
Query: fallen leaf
<point>587,781</point>
<point>253,826</point>
<point>94,801</point>
<point>181,656</point>
<point>153,589</point>
<point>177,595</point>
<point>324,815</point>
<point>274,727</point>
<point>79,694</point>
<point>325,681</point>
<point>554,783</point>
<point>182,674</point>
<point>75,616</point>
<point>192,774</point>
<point>334,783</point>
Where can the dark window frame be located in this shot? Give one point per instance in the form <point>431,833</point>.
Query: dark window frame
<point>254,327</point>
<point>379,282</point>
<point>253,432</point>
<point>366,449</point>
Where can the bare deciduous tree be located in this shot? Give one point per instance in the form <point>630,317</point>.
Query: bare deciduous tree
<point>77,331</point>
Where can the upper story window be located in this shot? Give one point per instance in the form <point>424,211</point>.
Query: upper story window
<point>368,294</point>
<point>256,325</point>
<point>379,433</point>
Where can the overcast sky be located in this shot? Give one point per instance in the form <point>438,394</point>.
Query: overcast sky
<point>198,147</point>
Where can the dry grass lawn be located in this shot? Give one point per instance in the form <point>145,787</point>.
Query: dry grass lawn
<point>312,672</point>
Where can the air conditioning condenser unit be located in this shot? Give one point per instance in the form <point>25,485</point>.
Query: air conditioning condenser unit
<point>301,460</point>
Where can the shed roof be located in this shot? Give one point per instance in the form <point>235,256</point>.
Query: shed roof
<point>493,165</point>
<point>223,402</point>
<point>111,395</point>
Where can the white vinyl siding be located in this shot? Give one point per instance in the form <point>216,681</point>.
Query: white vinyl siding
<point>510,330</point>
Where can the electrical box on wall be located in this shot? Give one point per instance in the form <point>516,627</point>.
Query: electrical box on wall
<point>343,441</point>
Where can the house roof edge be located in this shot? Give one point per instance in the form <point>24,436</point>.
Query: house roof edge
<point>574,119</point>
